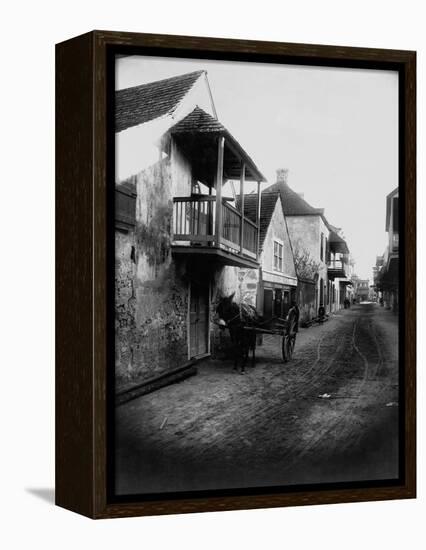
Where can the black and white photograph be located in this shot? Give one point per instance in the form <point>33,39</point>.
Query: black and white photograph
<point>257,288</point>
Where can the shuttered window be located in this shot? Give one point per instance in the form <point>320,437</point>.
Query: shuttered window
<point>125,206</point>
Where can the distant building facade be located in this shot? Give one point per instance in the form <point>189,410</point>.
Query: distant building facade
<point>321,254</point>
<point>386,270</point>
<point>362,289</point>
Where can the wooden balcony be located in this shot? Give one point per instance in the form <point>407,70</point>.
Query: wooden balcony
<point>208,226</point>
<point>196,231</point>
<point>337,269</point>
<point>395,242</point>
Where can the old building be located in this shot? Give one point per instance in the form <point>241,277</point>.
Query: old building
<point>276,280</point>
<point>386,271</point>
<point>179,241</point>
<point>321,254</point>
<point>339,268</point>
<point>362,289</point>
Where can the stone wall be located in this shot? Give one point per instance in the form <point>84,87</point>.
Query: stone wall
<point>152,289</point>
<point>125,268</point>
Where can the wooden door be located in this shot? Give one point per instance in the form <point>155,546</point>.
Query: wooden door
<point>278,303</point>
<point>198,319</point>
<point>268,303</point>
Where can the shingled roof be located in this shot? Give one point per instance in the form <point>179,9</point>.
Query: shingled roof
<point>147,102</point>
<point>337,243</point>
<point>293,203</point>
<point>199,122</point>
<point>267,207</point>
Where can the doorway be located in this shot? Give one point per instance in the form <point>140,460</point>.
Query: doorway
<point>268,298</point>
<point>198,319</point>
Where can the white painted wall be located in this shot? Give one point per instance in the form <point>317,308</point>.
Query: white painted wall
<point>137,147</point>
<point>278,231</point>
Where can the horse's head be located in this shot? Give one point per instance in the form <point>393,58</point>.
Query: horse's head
<point>226,308</point>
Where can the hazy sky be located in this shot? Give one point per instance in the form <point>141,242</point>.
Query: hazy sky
<point>336,130</point>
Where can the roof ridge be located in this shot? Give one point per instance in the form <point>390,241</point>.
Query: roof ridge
<point>299,206</point>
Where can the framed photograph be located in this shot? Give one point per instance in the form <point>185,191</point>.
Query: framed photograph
<point>236,290</point>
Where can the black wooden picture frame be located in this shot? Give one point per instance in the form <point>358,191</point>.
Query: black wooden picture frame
<point>84,269</point>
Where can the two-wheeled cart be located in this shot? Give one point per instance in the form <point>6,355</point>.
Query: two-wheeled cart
<point>285,328</point>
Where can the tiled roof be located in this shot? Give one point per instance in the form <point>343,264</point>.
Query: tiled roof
<point>267,207</point>
<point>334,228</point>
<point>200,122</point>
<point>147,102</point>
<point>293,204</point>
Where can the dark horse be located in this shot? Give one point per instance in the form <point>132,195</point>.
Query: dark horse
<point>236,318</point>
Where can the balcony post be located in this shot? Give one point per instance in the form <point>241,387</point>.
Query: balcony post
<point>258,221</point>
<point>219,183</point>
<point>242,178</point>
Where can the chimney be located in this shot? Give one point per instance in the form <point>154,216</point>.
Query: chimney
<point>282,175</point>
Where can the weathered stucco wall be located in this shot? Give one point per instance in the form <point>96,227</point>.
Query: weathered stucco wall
<point>305,234</point>
<point>306,296</point>
<point>125,269</point>
<point>151,289</point>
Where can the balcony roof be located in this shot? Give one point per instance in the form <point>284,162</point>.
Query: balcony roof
<point>337,244</point>
<point>197,135</point>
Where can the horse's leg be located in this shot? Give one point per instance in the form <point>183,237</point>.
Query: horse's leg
<point>236,356</point>
<point>253,359</point>
<point>234,343</point>
<point>245,349</point>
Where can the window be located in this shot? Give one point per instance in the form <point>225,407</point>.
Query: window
<point>322,247</point>
<point>278,256</point>
<point>125,205</point>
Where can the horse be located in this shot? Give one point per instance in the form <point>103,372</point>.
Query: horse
<point>236,317</point>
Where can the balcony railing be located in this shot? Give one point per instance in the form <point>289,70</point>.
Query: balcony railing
<point>194,223</point>
<point>395,242</point>
<point>337,268</point>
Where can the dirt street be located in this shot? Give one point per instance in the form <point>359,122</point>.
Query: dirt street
<point>329,415</point>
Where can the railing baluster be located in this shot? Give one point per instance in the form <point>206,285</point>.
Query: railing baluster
<point>195,219</point>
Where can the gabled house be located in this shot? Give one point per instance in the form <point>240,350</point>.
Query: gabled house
<point>272,287</point>
<point>321,254</point>
<point>180,238</point>
<point>387,266</point>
